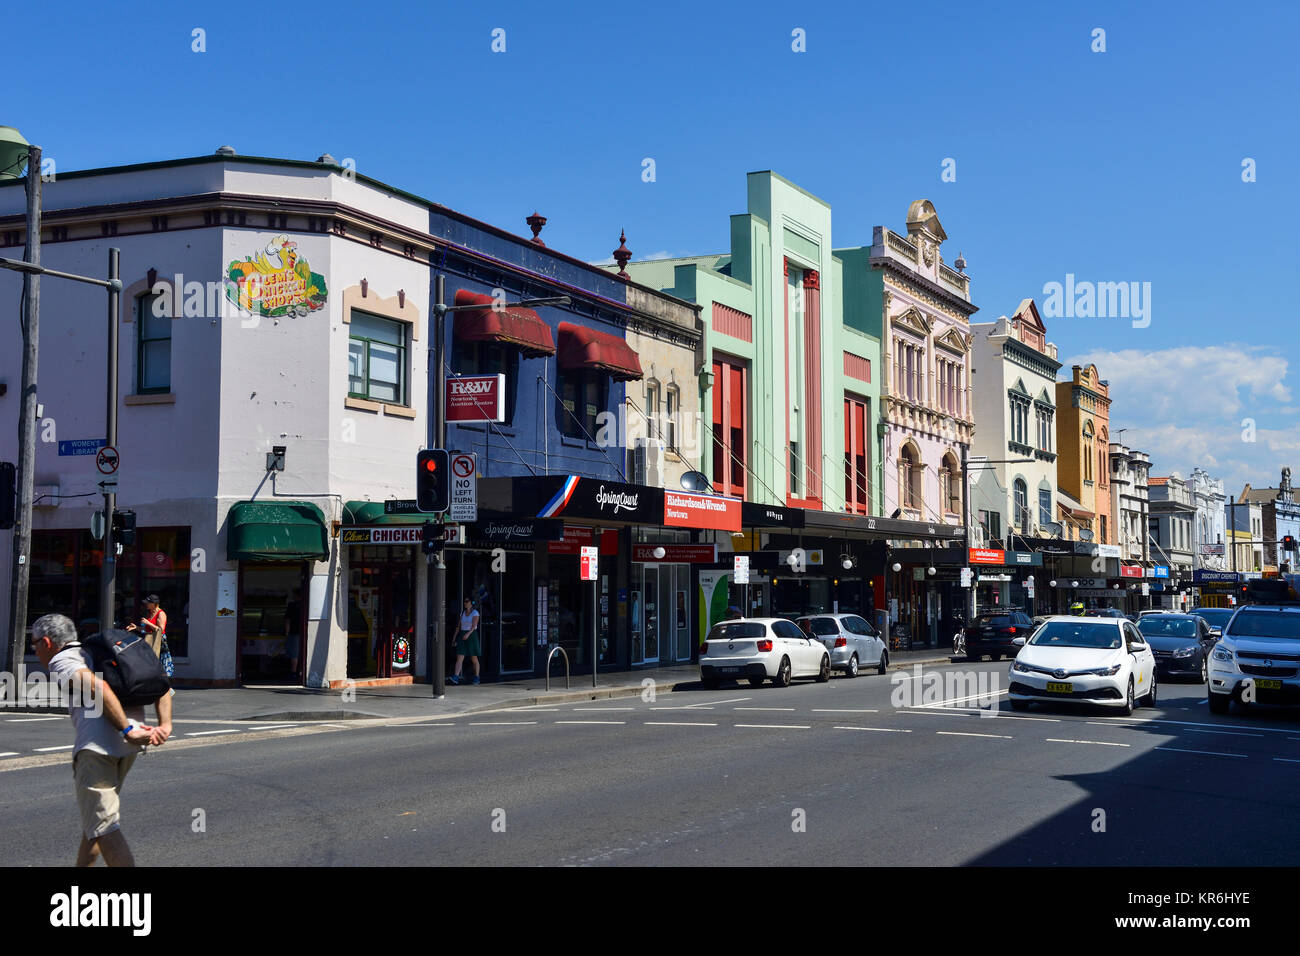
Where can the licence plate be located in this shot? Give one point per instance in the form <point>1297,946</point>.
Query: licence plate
<point>729,670</point>
<point>1059,688</point>
<point>1268,684</point>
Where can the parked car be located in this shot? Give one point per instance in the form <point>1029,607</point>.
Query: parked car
<point>1091,660</point>
<point>1216,617</point>
<point>1181,644</point>
<point>1259,650</point>
<point>759,649</point>
<point>851,641</point>
<point>993,633</point>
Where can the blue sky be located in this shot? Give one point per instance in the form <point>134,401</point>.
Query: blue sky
<point>1115,166</point>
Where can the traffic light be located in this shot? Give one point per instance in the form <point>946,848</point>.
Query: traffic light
<point>124,528</point>
<point>432,480</point>
<point>434,538</point>
<point>8,495</point>
<point>1288,542</point>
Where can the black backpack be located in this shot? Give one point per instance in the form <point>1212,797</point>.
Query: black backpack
<point>129,667</point>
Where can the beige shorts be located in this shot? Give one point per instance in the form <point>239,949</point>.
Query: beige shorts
<point>99,782</point>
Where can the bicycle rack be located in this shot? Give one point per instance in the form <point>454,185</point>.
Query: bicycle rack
<point>549,657</point>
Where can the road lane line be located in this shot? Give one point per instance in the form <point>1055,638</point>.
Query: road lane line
<point>209,733</point>
<point>1099,743</point>
<point>591,721</point>
<point>734,700</point>
<point>46,750</point>
<point>9,753</point>
<point>687,707</point>
<point>597,710</point>
<point>1283,759</point>
<point>962,700</point>
<point>790,709</point>
<point>1230,733</point>
<point>32,720</point>
<point>958,733</point>
<point>502,723</point>
<point>776,726</point>
<point>931,710</point>
<point>844,710</point>
<point>882,730</point>
<point>1208,753</point>
<point>676,723</point>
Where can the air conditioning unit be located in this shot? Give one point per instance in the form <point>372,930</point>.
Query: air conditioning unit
<point>648,462</point>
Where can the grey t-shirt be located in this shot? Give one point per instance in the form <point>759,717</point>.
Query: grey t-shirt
<point>93,733</point>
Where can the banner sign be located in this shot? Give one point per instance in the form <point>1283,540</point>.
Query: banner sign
<point>1025,558</point>
<point>523,529</point>
<point>1159,571</point>
<point>1108,551</point>
<point>770,516</point>
<point>577,497</point>
<point>476,398</point>
<point>575,538</point>
<point>395,534</point>
<point>677,553</point>
<point>686,510</point>
<point>987,556</point>
<point>1203,576</point>
<point>1131,571</point>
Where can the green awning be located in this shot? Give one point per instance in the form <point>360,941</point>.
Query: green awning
<point>276,531</point>
<point>372,513</point>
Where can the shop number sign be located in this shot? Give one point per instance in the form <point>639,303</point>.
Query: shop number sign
<point>590,562</point>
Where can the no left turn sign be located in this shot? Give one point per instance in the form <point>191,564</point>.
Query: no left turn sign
<point>106,460</point>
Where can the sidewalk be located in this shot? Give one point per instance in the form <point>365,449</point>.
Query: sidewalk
<point>416,700</point>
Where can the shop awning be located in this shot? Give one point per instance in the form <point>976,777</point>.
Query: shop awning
<point>276,531</point>
<point>581,347</point>
<point>521,328</point>
<point>372,512</point>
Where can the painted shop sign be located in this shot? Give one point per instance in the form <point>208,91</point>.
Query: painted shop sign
<point>608,500</point>
<point>685,510</point>
<point>1131,571</point>
<point>406,534</point>
<point>476,398</point>
<point>677,553</point>
<point>524,529</point>
<point>275,281</point>
<point>987,556</point>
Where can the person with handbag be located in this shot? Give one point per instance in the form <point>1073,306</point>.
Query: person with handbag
<point>467,643</point>
<point>153,626</point>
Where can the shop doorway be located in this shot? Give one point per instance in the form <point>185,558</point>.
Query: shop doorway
<point>660,614</point>
<point>272,623</point>
<point>381,595</point>
<point>504,601</point>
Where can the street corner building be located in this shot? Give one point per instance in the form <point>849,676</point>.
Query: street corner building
<point>275,374</point>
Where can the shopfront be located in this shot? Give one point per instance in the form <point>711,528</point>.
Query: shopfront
<point>659,597</point>
<point>382,562</point>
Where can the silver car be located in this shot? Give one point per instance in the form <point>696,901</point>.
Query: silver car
<point>853,642</point>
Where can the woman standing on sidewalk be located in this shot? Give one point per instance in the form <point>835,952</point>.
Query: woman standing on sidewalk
<point>467,643</point>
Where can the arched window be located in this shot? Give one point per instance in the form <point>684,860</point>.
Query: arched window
<point>909,478</point>
<point>950,485</point>
<point>1021,515</point>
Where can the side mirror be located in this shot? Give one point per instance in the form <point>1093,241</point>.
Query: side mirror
<point>1138,647</point>
<point>1216,632</point>
<point>1018,641</point>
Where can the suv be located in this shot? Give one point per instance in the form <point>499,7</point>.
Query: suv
<point>1257,660</point>
<point>993,633</point>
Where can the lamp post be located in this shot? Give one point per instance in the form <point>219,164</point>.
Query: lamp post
<point>13,149</point>
<point>437,438</point>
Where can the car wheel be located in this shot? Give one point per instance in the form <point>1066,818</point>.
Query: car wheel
<point>756,681</point>
<point>884,662</point>
<point>782,678</point>
<point>995,657</point>
<point>1019,704</point>
<point>1220,703</point>
<point>1150,699</point>
<point>852,670</point>
<point>1129,703</point>
<point>824,674</point>
<point>1205,670</point>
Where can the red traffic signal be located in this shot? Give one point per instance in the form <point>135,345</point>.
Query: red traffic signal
<point>432,480</point>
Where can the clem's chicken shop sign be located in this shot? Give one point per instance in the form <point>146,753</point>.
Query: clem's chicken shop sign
<point>275,281</point>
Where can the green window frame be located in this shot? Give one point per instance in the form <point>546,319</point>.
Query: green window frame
<point>153,355</point>
<point>377,359</point>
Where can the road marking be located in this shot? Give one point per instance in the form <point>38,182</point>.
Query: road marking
<point>687,707</point>
<point>791,709</point>
<point>32,720</point>
<point>1230,733</point>
<point>1099,743</point>
<point>276,727</point>
<point>958,733</point>
<point>734,700</point>
<point>209,733</point>
<point>962,700</point>
<point>46,750</point>
<point>1209,753</point>
<point>591,721</point>
<point>1138,721</point>
<point>1283,759</point>
<point>931,710</point>
<point>9,753</point>
<point>502,723</point>
<point>676,723</point>
<point>843,710</point>
<point>882,730</point>
<point>598,710</point>
<point>776,726</point>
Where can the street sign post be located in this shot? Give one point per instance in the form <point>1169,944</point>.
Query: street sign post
<point>589,565</point>
<point>464,488</point>
<point>741,573</point>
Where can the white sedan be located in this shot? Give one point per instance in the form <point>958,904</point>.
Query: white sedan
<point>761,648</point>
<point>1095,660</point>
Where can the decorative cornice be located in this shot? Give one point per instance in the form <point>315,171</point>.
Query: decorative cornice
<point>965,308</point>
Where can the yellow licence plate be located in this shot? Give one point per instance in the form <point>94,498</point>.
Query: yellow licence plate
<point>1059,688</point>
<point>1268,684</point>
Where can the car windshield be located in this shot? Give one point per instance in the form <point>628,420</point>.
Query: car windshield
<point>1167,627</point>
<point>1274,624</point>
<point>738,629</point>
<point>1215,616</point>
<point>1076,634</point>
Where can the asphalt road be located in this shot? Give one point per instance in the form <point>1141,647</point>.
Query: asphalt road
<point>812,774</point>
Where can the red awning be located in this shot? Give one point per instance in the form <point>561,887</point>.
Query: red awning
<point>521,328</point>
<point>581,347</point>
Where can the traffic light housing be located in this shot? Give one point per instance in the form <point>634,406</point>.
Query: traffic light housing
<point>433,539</point>
<point>8,495</point>
<point>124,528</point>
<point>1288,542</point>
<point>433,480</point>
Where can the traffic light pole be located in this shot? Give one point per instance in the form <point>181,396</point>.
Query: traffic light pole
<point>437,639</point>
<point>108,568</point>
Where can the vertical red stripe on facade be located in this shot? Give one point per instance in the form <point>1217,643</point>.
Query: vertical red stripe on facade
<point>785,296</point>
<point>733,322</point>
<point>855,366</point>
<point>813,380</point>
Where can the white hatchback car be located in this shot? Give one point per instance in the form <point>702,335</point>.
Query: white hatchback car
<point>761,648</point>
<point>1095,660</point>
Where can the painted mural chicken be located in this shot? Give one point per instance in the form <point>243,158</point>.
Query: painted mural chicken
<point>278,258</point>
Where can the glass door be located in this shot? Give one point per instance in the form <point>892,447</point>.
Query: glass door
<point>682,611</point>
<point>651,608</point>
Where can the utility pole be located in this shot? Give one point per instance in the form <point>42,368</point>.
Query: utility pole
<point>22,543</point>
<point>437,639</point>
<point>108,569</point>
<point>965,523</point>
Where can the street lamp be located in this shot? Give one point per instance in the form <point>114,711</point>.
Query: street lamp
<point>438,439</point>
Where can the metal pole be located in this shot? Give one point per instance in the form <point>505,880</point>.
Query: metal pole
<point>108,569</point>
<point>1232,505</point>
<point>965,523</point>
<point>438,439</point>
<point>22,533</point>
